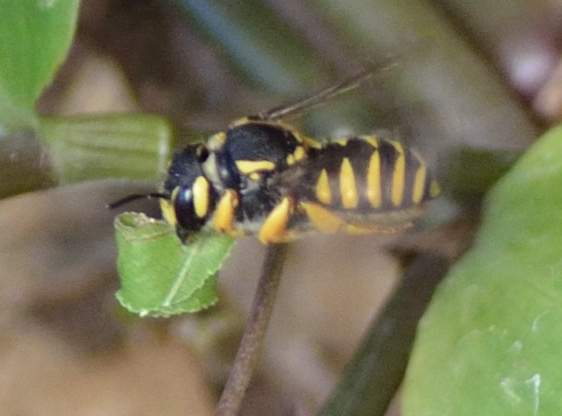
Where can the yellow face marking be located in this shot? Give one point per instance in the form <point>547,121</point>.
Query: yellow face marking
<point>200,191</point>
<point>168,212</point>
<point>341,142</point>
<point>274,228</point>
<point>348,189</point>
<point>255,176</point>
<point>419,183</point>
<point>249,166</point>
<point>167,208</point>
<point>322,219</point>
<point>290,160</point>
<point>223,219</point>
<point>374,194</point>
<point>299,153</point>
<point>323,191</point>
<point>398,175</point>
<point>434,189</point>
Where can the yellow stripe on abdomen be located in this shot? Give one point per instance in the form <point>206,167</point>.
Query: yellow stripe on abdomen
<point>348,188</point>
<point>398,175</point>
<point>419,183</point>
<point>323,191</point>
<point>374,194</point>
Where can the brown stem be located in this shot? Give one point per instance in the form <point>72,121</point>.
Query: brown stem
<point>254,334</point>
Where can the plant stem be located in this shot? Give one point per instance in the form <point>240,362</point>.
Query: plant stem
<point>254,333</point>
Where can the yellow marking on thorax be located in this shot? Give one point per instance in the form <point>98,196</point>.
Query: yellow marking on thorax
<point>323,191</point>
<point>309,142</point>
<point>239,122</point>
<point>322,219</point>
<point>299,153</point>
<point>216,141</point>
<point>434,189</point>
<point>419,183</point>
<point>274,228</point>
<point>249,166</point>
<point>167,208</point>
<point>298,135</point>
<point>223,219</point>
<point>398,175</point>
<point>348,189</point>
<point>341,142</point>
<point>374,192</point>
<point>200,191</point>
<point>290,160</point>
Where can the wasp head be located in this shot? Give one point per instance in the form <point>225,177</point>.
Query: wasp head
<point>191,193</point>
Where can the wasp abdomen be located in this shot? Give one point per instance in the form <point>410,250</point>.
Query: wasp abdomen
<point>366,174</point>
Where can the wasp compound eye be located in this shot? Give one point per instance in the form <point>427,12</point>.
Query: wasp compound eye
<point>185,210</point>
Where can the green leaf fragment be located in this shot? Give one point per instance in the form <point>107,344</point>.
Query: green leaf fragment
<point>490,343</point>
<point>159,275</point>
<point>34,38</point>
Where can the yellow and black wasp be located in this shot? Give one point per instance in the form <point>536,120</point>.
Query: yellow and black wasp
<point>263,177</point>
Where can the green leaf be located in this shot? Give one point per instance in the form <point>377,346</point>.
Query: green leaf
<point>490,343</point>
<point>85,147</point>
<point>159,275</point>
<point>34,38</point>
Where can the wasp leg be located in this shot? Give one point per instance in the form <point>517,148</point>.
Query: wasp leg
<point>274,228</point>
<point>328,222</point>
<point>323,219</point>
<point>356,229</point>
<point>225,213</point>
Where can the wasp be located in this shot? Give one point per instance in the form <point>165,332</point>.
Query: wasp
<point>263,177</point>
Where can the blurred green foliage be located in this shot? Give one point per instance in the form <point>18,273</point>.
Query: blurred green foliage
<point>34,38</point>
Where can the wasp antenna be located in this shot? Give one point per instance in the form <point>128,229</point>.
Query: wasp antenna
<point>327,93</point>
<point>134,197</point>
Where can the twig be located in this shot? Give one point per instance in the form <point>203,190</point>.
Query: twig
<point>252,340</point>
